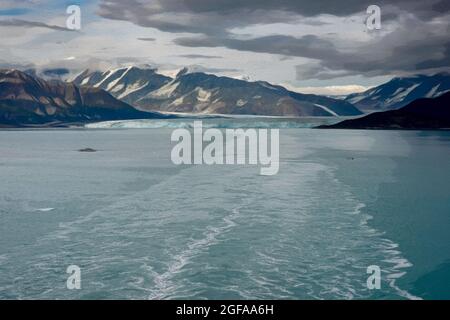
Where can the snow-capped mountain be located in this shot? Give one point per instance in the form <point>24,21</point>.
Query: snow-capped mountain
<point>399,92</point>
<point>210,94</point>
<point>127,84</point>
<point>198,92</point>
<point>27,100</point>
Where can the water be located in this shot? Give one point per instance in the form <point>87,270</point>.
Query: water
<point>140,227</point>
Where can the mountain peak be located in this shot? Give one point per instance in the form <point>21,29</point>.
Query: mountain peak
<point>182,72</point>
<point>400,91</point>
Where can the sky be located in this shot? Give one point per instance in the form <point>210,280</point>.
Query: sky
<point>320,46</point>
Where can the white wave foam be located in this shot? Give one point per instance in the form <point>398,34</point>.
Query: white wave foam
<point>164,285</point>
<point>399,263</point>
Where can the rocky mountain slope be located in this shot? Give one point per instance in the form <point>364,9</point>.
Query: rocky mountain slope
<point>197,92</point>
<point>398,92</point>
<point>127,84</point>
<point>26,100</point>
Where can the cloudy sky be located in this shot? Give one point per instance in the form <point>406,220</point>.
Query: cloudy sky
<point>320,46</point>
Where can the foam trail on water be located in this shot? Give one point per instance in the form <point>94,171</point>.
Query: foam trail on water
<point>164,285</point>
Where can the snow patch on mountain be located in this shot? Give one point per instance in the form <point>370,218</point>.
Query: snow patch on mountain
<point>132,88</point>
<point>203,95</point>
<point>399,92</point>
<point>327,109</point>
<point>241,103</point>
<point>165,91</point>
<point>402,93</point>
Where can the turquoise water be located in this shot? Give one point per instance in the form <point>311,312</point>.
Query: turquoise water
<point>140,227</point>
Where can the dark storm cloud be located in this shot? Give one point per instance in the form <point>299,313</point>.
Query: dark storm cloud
<point>168,15</point>
<point>147,39</point>
<point>308,46</point>
<point>55,72</point>
<point>444,60</point>
<point>11,65</point>
<point>190,16</point>
<point>30,24</point>
<point>198,56</point>
<point>200,68</point>
<point>412,48</point>
<point>308,8</point>
<point>416,43</point>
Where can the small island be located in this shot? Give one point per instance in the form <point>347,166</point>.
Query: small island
<point>87,150</point>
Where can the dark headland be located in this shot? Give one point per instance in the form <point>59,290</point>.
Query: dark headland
<point>421,114</point>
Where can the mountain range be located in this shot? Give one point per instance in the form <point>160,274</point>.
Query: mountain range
<point>202,93</point>
<point>421,114</point>
<point>133,92</point>
<point>399,92</point>
<point>26,100</point>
